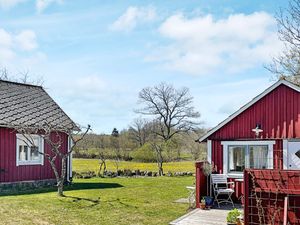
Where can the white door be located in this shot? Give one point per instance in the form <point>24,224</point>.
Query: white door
<point>293,155</point>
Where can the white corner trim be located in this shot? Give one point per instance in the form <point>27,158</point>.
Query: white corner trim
<point>252,102</point>
<point>209,151</point>
<point>68,160</point>
<point>70,157</point>
<point>285,154</point>
<point>225,158</point>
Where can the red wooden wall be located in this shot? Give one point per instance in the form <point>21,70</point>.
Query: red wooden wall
<point>11,173</point>
<point>279,115</point>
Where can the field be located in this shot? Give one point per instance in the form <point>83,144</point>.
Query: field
<point>104,201</point>
<point>80,165</point>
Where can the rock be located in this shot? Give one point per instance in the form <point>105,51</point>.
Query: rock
<point>137,172</point>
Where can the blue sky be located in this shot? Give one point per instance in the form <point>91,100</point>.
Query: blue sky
<point>95,56</point>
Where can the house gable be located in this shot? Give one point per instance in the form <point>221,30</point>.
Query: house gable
<point>277,109</point>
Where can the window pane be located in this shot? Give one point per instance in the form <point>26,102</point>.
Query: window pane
<point>34,153</point>
<point>23,152</point>
<point>258,157</point>
<point>236,158</point>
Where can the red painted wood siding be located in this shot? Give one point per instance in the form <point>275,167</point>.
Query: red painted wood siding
<point>14,173</point>
<point>279,116</point>
<point>278,113</point>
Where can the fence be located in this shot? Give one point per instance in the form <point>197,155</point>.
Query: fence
<point>272,197</point>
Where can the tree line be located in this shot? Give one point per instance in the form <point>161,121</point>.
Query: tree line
<point>166,129</point>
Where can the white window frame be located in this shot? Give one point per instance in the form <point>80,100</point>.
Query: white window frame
<point>209,151</point>
<point>226,144</point>
<point>21,138</point>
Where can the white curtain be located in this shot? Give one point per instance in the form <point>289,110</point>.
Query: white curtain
<point>258,157</point>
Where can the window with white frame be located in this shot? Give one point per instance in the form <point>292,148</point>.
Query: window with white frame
<point>238,155</point>
<point>28,149</point>
<point>236,158</point>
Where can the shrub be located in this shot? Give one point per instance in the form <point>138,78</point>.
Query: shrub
<point>144,154</point>
<point>84,174</point>
<point>232,216</point>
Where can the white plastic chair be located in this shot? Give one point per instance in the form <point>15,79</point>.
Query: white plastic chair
<point>222,187</point>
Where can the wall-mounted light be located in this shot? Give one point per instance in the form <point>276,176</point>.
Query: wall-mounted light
<point>257,130</point>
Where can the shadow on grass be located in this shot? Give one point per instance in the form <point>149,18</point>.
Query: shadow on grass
<point>93,202</point>
<point>72,187</point>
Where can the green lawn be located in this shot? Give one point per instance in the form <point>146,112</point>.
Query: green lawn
<point>93,165</point>
<point>101,201</point>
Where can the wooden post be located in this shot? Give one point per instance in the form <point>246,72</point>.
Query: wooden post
<point>201,183</point>
<point>198,164</point>
<point>285,211</point>
<point>246,197</point>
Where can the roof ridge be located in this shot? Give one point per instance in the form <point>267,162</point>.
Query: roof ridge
<point>20,83</point>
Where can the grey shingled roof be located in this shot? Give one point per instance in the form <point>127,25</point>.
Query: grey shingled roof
<point>30,105</point>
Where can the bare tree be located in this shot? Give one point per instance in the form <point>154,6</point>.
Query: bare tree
<point>52,137</point>
<point>172,112</point>
<point>22,77</point>
<point>140,131</point>
<point>102,156</point>
<point>287,64</point>
<point>4,74</point>
<point>116,147</point>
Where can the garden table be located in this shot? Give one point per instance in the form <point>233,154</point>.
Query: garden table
<point>192,196</point>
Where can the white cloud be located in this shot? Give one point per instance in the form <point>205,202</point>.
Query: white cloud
<point>7,4</point>
<point>13,45</point>
<point>5,38</point>
<point>41,5</point>
<point>203,45</point>
<point>132,17</point>
<point>26,40</point>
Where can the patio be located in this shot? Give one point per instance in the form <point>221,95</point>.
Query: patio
<point>215,216</point>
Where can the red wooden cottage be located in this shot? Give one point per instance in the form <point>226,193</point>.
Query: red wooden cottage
<point>264,133</point>
<point>28,105</point>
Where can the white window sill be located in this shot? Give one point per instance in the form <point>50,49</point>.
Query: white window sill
<point>29,163</point>
<point>235,175</point>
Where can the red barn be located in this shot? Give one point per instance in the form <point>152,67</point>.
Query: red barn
<point>28,105</point>
<point>264,133</point>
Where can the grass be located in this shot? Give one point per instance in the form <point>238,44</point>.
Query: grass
<point>105,201</point>
<point>80,165</point>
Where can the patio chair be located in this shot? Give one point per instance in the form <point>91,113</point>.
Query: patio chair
<point>222,187</point>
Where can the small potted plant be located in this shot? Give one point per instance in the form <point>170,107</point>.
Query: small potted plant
<point>209,201</point>
<point>233,217</point>
<point>202,203</point>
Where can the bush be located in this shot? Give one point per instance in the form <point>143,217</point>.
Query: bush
<point>232,216</point>
<point>144,154</point>
<point>84,174</point>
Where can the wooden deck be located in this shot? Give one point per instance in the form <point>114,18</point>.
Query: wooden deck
<point>216,216</point>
